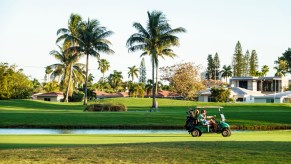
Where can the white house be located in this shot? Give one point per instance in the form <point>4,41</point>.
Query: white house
<point>282,97</point>
<point>52,96</point>
<point>237,93</point>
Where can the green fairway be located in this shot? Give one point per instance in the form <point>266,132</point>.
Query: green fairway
<point>241,147</point>
<point>28,113</point>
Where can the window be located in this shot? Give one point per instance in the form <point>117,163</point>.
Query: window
<point>269,100</point>
<point>47,99</point>
<point>243,84</point>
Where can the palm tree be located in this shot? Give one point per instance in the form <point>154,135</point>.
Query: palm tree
<point>67,64</point>
<point>103,67</point>
<point>226,72</point>
<point>133,72</point>
<point>70,38</point>
<point>92,42</point>
<point>265,70</point>
<point>115,79</point>
<point>48,71</point>
<point>155,40</point>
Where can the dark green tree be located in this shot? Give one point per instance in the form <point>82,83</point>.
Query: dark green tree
<point>254,63</point>
<point>216,62</point>
<point>220,94</point>
<point>115,80</point>
<point>286,56</point>
<point>238,61</point>
<point>210,67</point>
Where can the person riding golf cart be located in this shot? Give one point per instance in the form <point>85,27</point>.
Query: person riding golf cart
<point>196,123</point>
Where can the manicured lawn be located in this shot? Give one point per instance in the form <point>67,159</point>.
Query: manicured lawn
<point>241,147</point>
<point>28,113</point>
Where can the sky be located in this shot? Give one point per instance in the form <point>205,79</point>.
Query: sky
<point>28,30</point>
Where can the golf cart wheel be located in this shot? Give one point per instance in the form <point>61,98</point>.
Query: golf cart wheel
<point>226,133</point>
<point>195,133</point>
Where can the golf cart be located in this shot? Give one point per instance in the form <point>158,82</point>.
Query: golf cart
<point>196,128</point>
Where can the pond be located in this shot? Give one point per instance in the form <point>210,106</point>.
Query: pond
<point>89,131</point>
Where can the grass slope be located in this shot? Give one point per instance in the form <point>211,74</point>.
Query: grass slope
<point>28,113</point>
<point>249,147</point>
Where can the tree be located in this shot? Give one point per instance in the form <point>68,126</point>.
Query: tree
<point>246,64</point>
<point>226,72</point>
<point>286,56</point>
<point>69,36</point>
<point>68,67</point>
<point>155,40</point>
<point>142,72</point>
<point>185,78</point>
<point>103,67</point>
<point>115,79</point>
<point>93,41</point>
<point>216,62</point>
<point>210,67</point>
<point>51,87</point>
<point>133,72</point>
<point>13,83</point>
<point>220,94</point>
<point>253,63</point>
<point>281,68</point>
<point>48,71</point>
<point>237,61</point>
<point>265,70</point>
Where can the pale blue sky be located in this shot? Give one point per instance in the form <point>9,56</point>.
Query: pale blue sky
<point>28,29</point>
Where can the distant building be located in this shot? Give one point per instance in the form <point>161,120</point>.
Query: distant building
<point>254,89</point>
<point>51,96</point>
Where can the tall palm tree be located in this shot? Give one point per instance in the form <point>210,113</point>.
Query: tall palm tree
<point>103,67</point>
<point>226,72</point>
<point>70,37</point>
<point>67,61</point>
<point>133,72</point>
<point>93,41</point>
<point>155,40</point>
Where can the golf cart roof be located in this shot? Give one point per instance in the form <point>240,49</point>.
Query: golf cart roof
<point>201,107</point>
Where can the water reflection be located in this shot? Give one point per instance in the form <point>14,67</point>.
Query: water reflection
<point>88,131</point>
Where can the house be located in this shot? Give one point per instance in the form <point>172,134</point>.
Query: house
<point>282,97</point>
<point>51,96</point>
<point>237,93</point>
<point>266,85</point>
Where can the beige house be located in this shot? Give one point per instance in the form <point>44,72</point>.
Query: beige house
<point>52,96</point>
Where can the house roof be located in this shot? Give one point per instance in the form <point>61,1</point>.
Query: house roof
<point>243,91</point>
<point>51,94</point>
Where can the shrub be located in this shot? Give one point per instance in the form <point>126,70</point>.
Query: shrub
<point>109,107</point>
<point>77,96</point>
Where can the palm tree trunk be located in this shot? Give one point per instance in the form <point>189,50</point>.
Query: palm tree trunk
<point>156,87</point>
<point>153,83</point>
<point>69,84</point>
<point>103,83</point>
<point>86,80</point>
